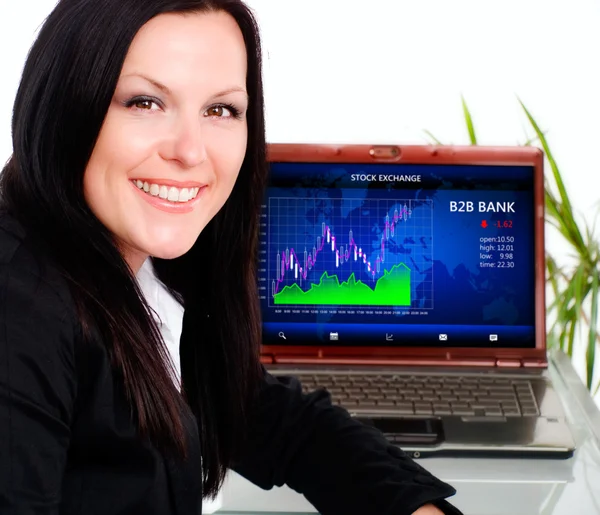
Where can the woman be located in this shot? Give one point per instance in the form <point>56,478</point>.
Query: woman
<point>138,132</point>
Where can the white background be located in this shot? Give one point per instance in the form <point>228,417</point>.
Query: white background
<point>339,71</point>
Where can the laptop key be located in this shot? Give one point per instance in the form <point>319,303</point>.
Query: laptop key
<point>483,406</point>
<point>502,395</point>
<point>512,412</point>
<point>463,412</point>
<point>452,380</point>
<point>423,411</point>
<point>461,391</point>
<point>422,404</point>
<point>353,391</point>
<point>423,408</point>
<point>446,397</point>
<point>367,405</point>
<point>493,412</point>
<point>490,403</point>
<point>503,388</point>
<point>406,390</point>
<point>361,384</point>
<point>523,390</point>
<point>357,397</point>
<point>528,405</point>
<point>529,412</point>
<point>526,400</point>
<point>371,390</point>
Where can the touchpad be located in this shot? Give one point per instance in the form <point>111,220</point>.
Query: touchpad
<point>424,431</point>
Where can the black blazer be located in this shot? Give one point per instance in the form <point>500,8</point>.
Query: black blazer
<point>68,444</point>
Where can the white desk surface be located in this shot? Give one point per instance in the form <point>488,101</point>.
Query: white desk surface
<point>486,486</point>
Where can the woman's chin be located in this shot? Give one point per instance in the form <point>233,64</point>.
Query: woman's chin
<point>170,251</point>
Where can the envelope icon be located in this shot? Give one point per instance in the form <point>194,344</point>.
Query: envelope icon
<point>443,337</point>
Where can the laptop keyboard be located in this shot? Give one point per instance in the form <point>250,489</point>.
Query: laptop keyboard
<point>397,394</point>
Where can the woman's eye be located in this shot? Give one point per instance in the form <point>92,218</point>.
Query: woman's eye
<point>219,112</point>
<point>143,104</point>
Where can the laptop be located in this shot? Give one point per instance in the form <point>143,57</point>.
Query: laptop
<point>408,281</point>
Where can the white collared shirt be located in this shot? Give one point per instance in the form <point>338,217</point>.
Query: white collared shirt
<point>167,312</point>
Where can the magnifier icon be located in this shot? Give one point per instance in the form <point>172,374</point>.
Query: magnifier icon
<point>281,335</point>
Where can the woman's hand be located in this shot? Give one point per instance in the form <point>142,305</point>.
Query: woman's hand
<point>428,509</point>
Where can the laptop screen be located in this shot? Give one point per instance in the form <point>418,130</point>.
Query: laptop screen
<point>398,255</point>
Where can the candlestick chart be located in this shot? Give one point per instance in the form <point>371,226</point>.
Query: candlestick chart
<point>350,252</point>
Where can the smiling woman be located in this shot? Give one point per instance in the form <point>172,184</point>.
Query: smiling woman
<point>138,134</point>
<point>174,136</point>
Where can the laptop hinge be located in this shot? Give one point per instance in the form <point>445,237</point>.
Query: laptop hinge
<point>535,363</point>
<point>519,363</point>
<point>509,363</point>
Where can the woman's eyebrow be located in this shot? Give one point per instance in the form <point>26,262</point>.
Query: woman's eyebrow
<point>154,82</point>
<point>233,89</point>
<point>166,90</point>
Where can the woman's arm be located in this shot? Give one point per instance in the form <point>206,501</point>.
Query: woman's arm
<point>37,387</point>
<point>340,465</point>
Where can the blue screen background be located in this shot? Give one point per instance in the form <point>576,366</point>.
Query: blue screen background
<point>455,300</point>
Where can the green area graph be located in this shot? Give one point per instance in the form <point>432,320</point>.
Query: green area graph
<point>392,289</point>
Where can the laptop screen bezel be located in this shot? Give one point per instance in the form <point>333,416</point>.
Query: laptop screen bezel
<point>424,155</point>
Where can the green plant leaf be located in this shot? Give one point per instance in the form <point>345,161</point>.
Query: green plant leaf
<point>566,220</point>
<point>469,122</point>
<point>552,273</point>
<point>532,140</point>
<point>571,340</point>
<point>578,297</point>
<point>591,348</point>
<point>433,138</point>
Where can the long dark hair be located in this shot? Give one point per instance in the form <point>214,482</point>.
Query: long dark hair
<point>67,85</point>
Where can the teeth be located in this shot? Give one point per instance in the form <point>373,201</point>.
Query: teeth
<point>168,192</point>
<point>184,195</point>
<point>173,195</point>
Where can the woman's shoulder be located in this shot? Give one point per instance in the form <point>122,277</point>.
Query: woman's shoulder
<point>25,267</point>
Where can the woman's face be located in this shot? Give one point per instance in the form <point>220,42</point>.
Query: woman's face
<point>174,136</point>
